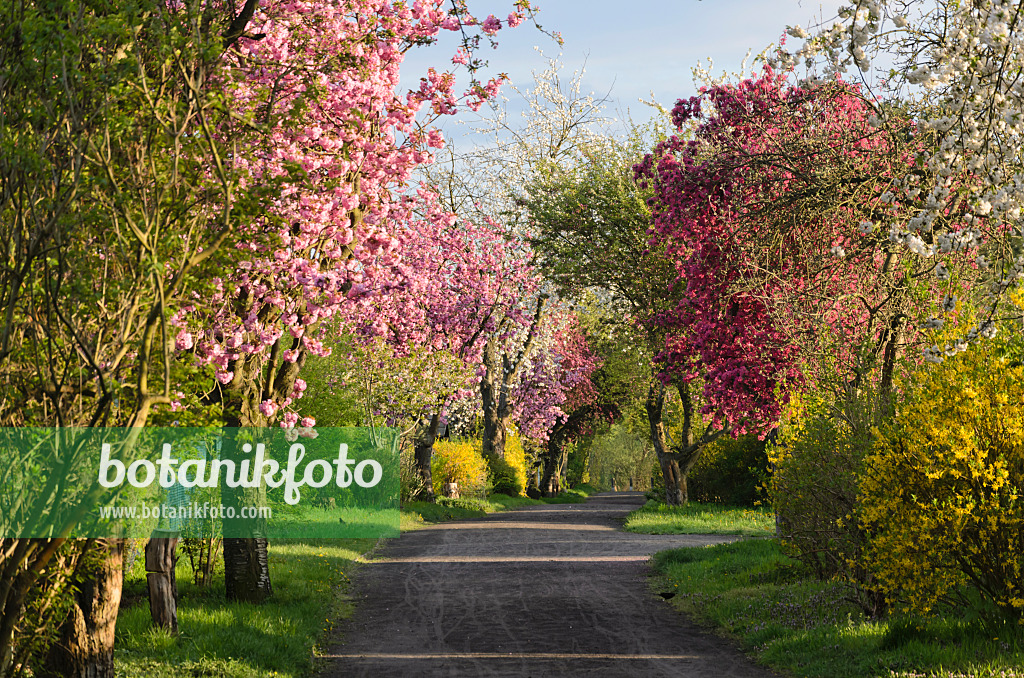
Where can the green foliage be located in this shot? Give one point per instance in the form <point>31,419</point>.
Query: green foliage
<point>577,467</point>
<point>729,471</point>
<point>815,482</point>
<point>504,479</point>
<point>620,455</point>
<point>655,517</point>
<point>591,220</point>
<point>459,462</point>
<point>410,481</point>
<point>327,399</point>
<point>942,492</point>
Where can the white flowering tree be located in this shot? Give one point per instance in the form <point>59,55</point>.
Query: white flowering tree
<point>958,67</point>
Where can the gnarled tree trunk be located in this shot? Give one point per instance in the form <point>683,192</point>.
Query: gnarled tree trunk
<point>85,646</point>
<point>675,481</point>
<point>676,463</point>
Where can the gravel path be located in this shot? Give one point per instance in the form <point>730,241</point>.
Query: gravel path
<point>543,591</point>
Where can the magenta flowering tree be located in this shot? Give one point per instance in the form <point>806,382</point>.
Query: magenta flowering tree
<point>556,400</point>
<point>779,205</point>
<point>556,379</point>
<point>783,215</point>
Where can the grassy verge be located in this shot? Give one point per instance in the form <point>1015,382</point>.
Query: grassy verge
<point>237,640</point>
<point>694,518</point>
<point>417,513</point>
<point>803,627</point>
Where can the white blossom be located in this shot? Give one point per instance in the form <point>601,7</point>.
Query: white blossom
<point>918,246</point>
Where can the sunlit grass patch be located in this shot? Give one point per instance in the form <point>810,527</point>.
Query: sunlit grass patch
<point>695,518</point>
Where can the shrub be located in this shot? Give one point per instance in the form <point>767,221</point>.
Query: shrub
<point>942,491</point>
<point>814,487</point>
<point>504,479</point>
<point>729,472</point>
<point>459,462</point>
<point>508,475</point>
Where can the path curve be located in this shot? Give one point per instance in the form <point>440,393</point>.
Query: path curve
<point>543,591</point>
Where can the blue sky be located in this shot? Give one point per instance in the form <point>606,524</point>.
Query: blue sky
<point>633,47</point>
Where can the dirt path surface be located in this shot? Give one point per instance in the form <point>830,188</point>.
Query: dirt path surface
<point>543,591</point>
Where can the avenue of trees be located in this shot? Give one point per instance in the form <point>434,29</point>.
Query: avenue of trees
<point>228,214</point>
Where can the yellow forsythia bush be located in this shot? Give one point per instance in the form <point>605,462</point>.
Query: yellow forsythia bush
<point>459,462</point>
<point>515,455</point>
<point>941,492</point>
<point>508,475</point>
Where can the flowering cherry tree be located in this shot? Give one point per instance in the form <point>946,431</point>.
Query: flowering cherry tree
<point>564,404</point>
<point>459,286</point>
<point>321,78</point>
<point>343,146</point>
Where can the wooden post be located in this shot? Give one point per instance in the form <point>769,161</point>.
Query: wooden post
<point>163,585</point>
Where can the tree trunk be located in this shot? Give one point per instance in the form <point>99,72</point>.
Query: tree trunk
<point>500,372</point>
<point>675,481</point>
<point>491,388</point>
<point>246,561</point>
<point>163,584</point>
<point>554,466</point>
<point>423,450</point>
<point>85,646</point>
<point>246,569</point>
<point>550,484</point>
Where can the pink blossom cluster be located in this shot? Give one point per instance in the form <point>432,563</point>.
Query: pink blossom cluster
<point>559,378</point>
<point>338,148</point>
<point>458,283</point>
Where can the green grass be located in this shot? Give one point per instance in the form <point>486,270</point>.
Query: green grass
<point>657,518</point>
<point>418,513</point>
<point>238,640</point>
<point>804,627</point>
